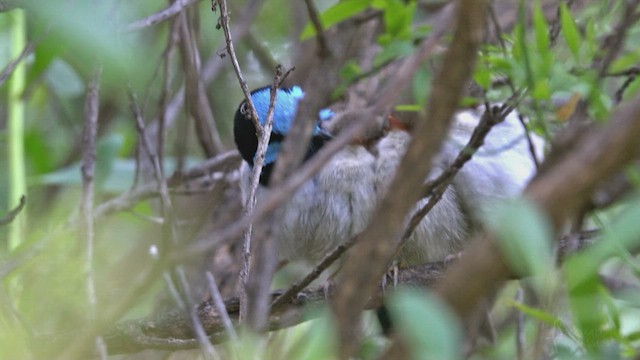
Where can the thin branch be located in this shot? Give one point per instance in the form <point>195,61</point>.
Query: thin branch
<point>218,302</point>
<point>263,133</point>
<point>172,10</point>
<point>8,70</point>
<point>323,48</point>
<point>172,38</point>
<point>223,22</point>
<point>520,336</point>
<point>92,105</point>
<point>195,93</point>
<point>435,188</point>
<point>249,305</point>
<point>206,347</point>
<point>324,264</point>
<point>7,219</point>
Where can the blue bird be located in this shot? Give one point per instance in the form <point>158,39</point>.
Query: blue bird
<point>283,114</point>
<point>330,207</point>
<point>338,202</point>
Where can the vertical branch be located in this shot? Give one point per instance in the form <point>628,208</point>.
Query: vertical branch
<point>223,22</point>
<point>89,134</point>
<point>323,48</point>
<point>263,134</point>
<point>195,97</point>
<point>15,127</point>
<point>258,272</point>
<point>164,93</point>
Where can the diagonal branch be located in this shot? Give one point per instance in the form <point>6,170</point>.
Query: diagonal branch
<point>7,219</point>
<point>172,10</point>
<point>369,260</point>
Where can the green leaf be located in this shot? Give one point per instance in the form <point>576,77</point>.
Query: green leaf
<point>318,341</point>
<point>482,76</point>
<point>625,61</point>
<point>63,79</point>
<point>570,30</point>
<point>541,90</point>
<point>335,14</point>
<point>393,50</point>
<point>398,18</point>
<point>541,29</point>
<point>542,316</point>
<point>408,107</point>
<point>426,324</point>
<point>586,295</point>
<point>524,236</point>
<point>350,71</point>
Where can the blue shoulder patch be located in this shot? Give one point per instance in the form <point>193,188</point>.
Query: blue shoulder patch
<point>325,114</point>
<point>272,152</point>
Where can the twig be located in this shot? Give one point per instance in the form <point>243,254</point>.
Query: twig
<point>203,340</point>
<point>8,70</point>
<point>632,71</point>
<point>324,264</point>
<point>264,134</point>
<point>261,134</point>
<point>7,219</point>
<point>519,338</point>
<point>162,15</point>
<point>532,149</point>
<point>92,105</point>
<point>167,207</point>
<point>218,302</point>
<point>165,88</point>
<point>323,48</point>
<point>223,22</point>
<point>195,93</point>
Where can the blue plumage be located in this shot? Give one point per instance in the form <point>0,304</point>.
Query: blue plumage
<point>284,112</point>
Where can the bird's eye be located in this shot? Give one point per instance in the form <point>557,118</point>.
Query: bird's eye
<point>243,108</point>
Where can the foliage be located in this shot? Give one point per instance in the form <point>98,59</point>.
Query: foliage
<point>545,75</point>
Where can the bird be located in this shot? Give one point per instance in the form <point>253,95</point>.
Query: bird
<point>329,208</point>
<point>339,201</point>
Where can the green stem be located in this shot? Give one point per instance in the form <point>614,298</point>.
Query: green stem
<point>15,128</point>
